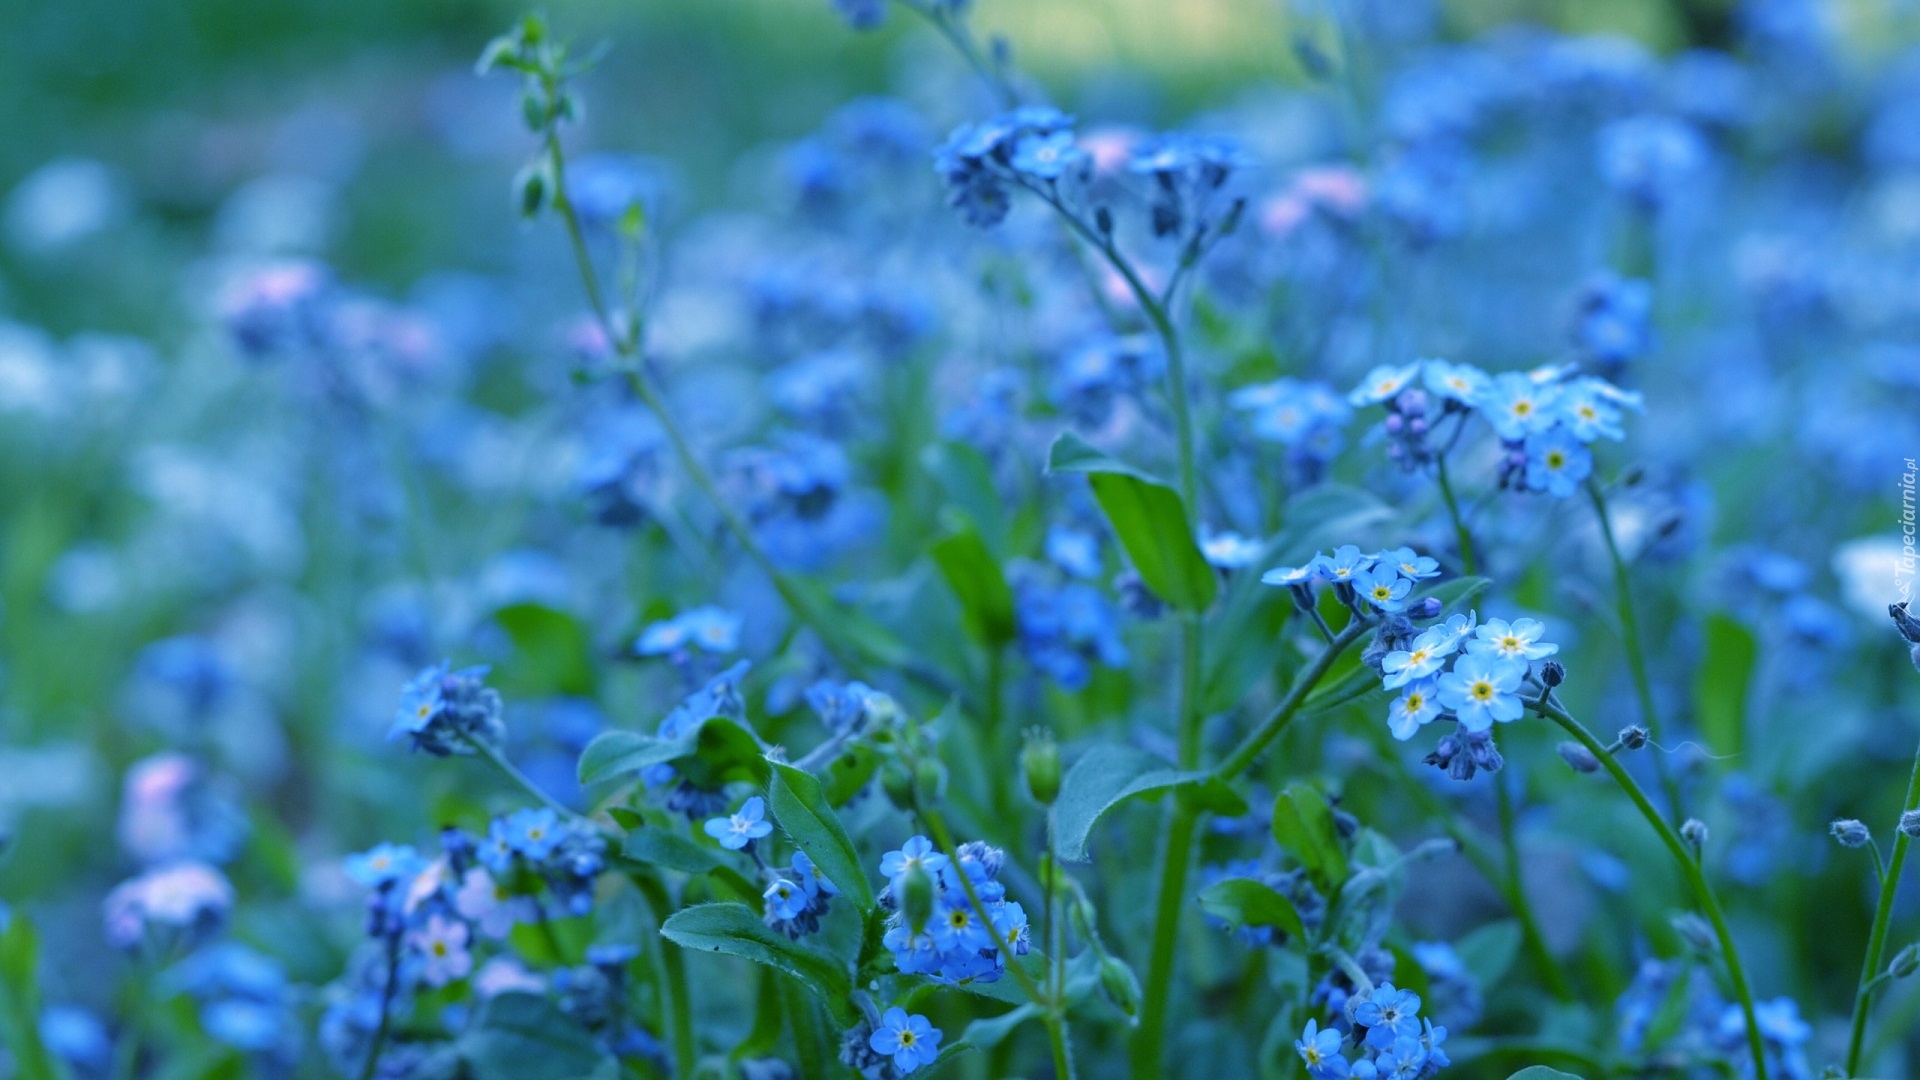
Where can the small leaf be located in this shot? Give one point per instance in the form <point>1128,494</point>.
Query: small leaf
<point>1541,1072</point>
<point>804,814</point>
<point>1303,827</point>
<point>736,930</point>
<point>990,1032</point>
<point>669,850</point>
<point>1247,902</point>
<point>1721,683</point>
<point>966,478</point>
<point>20,1002</point>
<point>1458,594</point>
<point>519,1036</point>
<point>724,751</point>
<point>1106,776</point>
<point>977,582</point>
<point>1489,951</point>
<point>551,653</point>
<point>1150,521</point>
<point>847,774</point>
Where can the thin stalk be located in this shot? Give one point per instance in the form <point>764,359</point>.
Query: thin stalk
<point>1636,653</point>
<point>1516,892</point>
<point>1882,917</point>
<point>386,1008</point>
<point>1149,1042</point>
<point>1261,737</point>
<point>1690,867</point>
<point>673,969</point>
<point>1462,536</point>
<point>512,772</point>
<point>1189,702</point>
<point>626,345</point>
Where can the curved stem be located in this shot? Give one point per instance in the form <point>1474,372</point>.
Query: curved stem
<point>1689,866</point>
<point>673,971</point>
<point>1149,1041</point>
<point>512,772</point>
<point>1882,917</point>
<point>1516,893</point>
<point>386,1008</point>
<point>1636,653</point>
<point>1257,741</point>
<point>1462,536</point>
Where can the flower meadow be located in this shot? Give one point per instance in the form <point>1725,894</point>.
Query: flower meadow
<point>1392,571</point>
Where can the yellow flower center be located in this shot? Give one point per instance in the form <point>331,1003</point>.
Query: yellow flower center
<point>439,948</point>
<point>1556,459</point>
<point>906,1036</point>
<point>1414,702</point>
<point>1522,408</point>
<point>1482,690</point>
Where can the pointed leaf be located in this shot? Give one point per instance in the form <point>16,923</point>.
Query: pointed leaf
<point>977,582</point>
<point>736,930</point>
<point>1303,827</point>
<point>804,814</point>
<point>1106,776</point>
<point>1150,521</point>
<point>1247,902</point>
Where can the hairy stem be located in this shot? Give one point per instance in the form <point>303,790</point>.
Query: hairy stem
<point>673,972</point>
<point>1689,867</point>
<point>1636,652</point>
<point>1516,894</point>
<point>1882,918</point>
<point>1462,536</point>
<point>1269,729</point>
<point>1150,1039</point>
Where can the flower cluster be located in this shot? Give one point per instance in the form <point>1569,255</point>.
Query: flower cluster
<point>443,711</point>
<point>1468,672</point>
<point>935,929</point>
<point>720,697</point>
<point>1031,145</point>
<point>797,899</point>
<point>1545,418</point>
<point>1382,581</point>
<point>1384,1025</point>
<point>1065,629</point>
<point>1304,417</point>
<point>1673,1008</point>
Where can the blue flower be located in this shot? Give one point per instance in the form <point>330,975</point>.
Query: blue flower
<point>1384,382</point>
<point>1319,1048</point>
<point>1076,551</point>
<point>1518,640</point>
<point>707,628</point>
<point>1049,156</point>
<point>1650,158</point>
<point>1418,706</point>
<point>1383,587</point>
<point>533,831</point>
<point>742,828</point>
<point>1463,383</point>
<point>1293,575</point>
<point>785,899</point>
<point>1345,564</point>
<point>916,852</point>
<point>1481,689</point>
<point>909,1040</point>
<point>1404,1060</point>
<point>1422,657</point>
<point>1615,321</point>
<point>1415,566</point>
<point>1389,1015</point>
<point>384,864</point>
<point>1557,462</point>
<point>443,711</point>
<point>1518,406</point>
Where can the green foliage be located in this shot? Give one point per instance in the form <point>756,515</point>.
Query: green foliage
<point>1246,902</point>
<point>1148,518</point>
<point>710,753</point>
<point>1303,827</point>
<point>20,1002</point>
<point>518,1036</point>
<point>974,575</point>
<point>736,930</point>
<point>551,653</point>
<point>1106,776</point>
<point>1721,683</point>
<point>807,816</point>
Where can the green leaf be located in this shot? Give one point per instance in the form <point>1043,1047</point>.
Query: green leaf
<point>519,1036</point>
<point>1489,951</point>
<point>551,653</point>
<point>663,848</point>
<point>966,478</point>
<point>1458,594</point>
<point>1150,521</point>
<point>1721,683</point>
<point>805,815</point>
<point>711,753</point>
<point>736,930</point>
<point>977,582</point>
<point>20,1003</point>
<point>1247,902</point>
<point>1107,776</point>
<point>1303,827</point>
<point>990,1032</point>
<point>1541,1072</point>
<point>849,772</point>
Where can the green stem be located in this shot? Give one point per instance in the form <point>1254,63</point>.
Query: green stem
<point>1690,867</point>
<point>1882,917</point>
<point>673,971</point>
<point>1515,888</point>
<point>1189,702</point>
<point>1462,536</point>
<point>1636,653</point>
<point>1261,737</point>
<point>1148,1043</point>
<point>512,772</point>
<point>386,1008</point>
<point>626,344</point>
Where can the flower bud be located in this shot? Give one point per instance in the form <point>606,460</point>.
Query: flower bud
<point>1694,831</point>
<point>1633,738</point>
<point>897,782</point>
<point>1552,674</point>
<point>530,189</point>
<point>1427,607</point>
<point>1122,986</point>
<point>1695,931</point>
<point>1040,761</point>
<point>929,779</point>
<point>1905,962</point>
<point>1910,824</point>
<point>1905,622</point>
<point>1579,757</point>
<point>1850,832</point>
<point>916,901</point>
